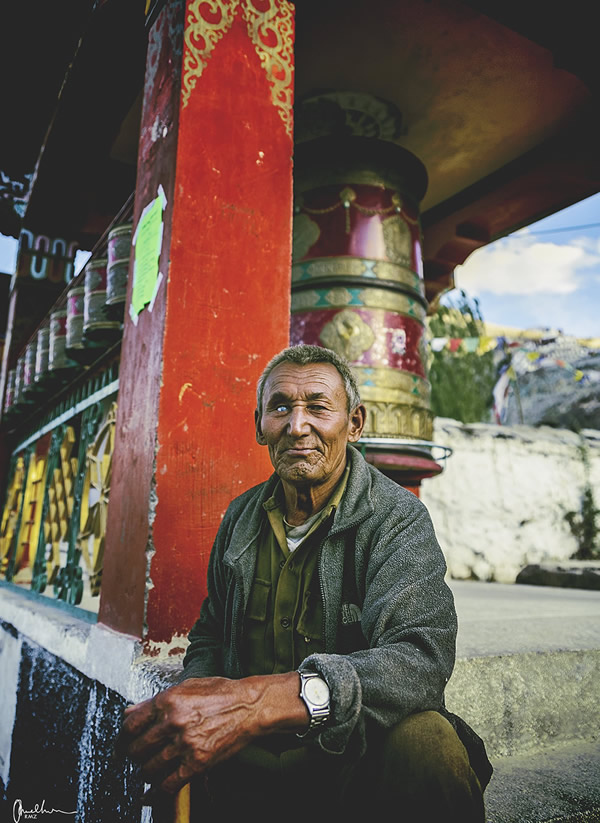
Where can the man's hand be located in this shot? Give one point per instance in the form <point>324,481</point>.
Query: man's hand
<point>191,727</point>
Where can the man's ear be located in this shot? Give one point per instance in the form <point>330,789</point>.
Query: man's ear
<point>356,423</point>
<point>260,438</point>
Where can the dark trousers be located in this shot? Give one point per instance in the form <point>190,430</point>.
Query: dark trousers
<point>416,772</point>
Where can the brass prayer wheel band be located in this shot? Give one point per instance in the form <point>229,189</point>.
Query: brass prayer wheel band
<point>341,297</point>
<point>388,384</point>
<point>397,420</point>
<point>346,267</point>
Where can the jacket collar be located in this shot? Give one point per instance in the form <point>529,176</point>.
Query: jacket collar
<point>356,505</point>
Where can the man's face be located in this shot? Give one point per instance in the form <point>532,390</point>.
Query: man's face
<point>305,422</point>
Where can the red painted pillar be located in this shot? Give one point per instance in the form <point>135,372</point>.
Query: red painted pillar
<point>217,137</point>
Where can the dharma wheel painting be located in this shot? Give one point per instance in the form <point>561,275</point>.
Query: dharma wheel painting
<point>54,516</point>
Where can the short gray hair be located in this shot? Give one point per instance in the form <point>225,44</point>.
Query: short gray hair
<point>305,355</point>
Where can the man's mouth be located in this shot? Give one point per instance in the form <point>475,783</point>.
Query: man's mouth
<point>299,451</point>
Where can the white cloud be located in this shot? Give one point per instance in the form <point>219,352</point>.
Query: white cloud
<point>522,265</point>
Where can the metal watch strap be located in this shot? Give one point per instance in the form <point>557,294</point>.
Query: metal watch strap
<point>318,714</point>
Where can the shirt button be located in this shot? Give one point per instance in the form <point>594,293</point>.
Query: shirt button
<point>285,622</point>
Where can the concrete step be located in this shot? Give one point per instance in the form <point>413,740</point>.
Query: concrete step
<point>527,677</point>
<point>555,786</point>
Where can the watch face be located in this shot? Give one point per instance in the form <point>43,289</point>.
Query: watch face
<point>317,691</point>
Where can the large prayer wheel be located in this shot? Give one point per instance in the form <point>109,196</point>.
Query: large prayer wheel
<point>357,286</point>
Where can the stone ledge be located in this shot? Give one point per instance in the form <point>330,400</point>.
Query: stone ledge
<point>528,702</point>
<point>571,574</point>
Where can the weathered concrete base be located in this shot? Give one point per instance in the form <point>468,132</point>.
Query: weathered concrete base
<point>65,683</point>
<point>62,757</point>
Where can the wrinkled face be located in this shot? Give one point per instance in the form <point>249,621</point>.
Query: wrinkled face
<point>305,422</point>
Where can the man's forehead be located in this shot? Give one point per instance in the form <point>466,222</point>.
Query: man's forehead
<point>311,379</point>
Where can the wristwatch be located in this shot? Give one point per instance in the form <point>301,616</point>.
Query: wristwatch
<point>315,693</point>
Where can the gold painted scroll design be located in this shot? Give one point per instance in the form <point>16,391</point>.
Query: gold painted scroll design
<point>206,23</point>
<point>271,31</point>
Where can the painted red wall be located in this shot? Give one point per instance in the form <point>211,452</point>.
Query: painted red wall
<point>228,313</point>
<point>184,447</point>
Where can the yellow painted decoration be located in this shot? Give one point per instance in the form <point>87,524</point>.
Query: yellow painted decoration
<point>94,500</point>
<point>10,514</point>
<point>31,517</point>
<point>60,504</point>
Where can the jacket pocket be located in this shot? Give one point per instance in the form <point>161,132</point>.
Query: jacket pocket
<point>310,621</point>
<point>258,605</point>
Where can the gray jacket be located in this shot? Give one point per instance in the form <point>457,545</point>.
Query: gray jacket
<point>408,616</point>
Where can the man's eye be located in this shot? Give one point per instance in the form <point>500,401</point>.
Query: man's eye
<point>281,407</point>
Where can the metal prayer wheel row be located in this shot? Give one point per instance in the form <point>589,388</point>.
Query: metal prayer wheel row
<point>76,334</point>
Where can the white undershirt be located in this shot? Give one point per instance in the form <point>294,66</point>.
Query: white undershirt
<point>294,535</point>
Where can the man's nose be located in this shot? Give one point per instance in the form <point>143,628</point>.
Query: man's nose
<point>298,424</point>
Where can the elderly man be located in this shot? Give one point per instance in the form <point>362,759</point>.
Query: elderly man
<point>314,679</point>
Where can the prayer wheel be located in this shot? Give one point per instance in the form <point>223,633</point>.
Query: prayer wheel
<point>74,335</point>
<point>117,270</point>
<point>42,354</point>
<point>20,400</point>
<point>29,386</point>
<point>98,326</point>
<point>9,393</point>
<point>76,346</point>
<point>60,366</point>
<point>357,286</point>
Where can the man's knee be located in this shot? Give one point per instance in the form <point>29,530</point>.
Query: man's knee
<point>425,741</point>
<point>423,761</point>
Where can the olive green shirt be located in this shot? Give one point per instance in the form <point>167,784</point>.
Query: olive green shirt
<point>284,619</point>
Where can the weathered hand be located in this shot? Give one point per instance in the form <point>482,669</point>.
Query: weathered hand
<point>191,727</point>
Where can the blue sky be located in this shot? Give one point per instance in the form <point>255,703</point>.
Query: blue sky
<point>544,276</point>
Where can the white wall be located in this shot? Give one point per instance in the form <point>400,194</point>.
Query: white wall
<point>501,501</point>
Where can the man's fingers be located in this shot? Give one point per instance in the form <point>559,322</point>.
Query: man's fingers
<point>177,779</point>
<point>138,717</point>
<point>146,745</point>
<point>162,762</point>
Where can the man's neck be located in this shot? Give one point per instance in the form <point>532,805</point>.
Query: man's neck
<point>302,501</point>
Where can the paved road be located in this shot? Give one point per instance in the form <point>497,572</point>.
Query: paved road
<point>498,618</point>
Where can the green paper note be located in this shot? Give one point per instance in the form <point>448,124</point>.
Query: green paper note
<point>148,242</point>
